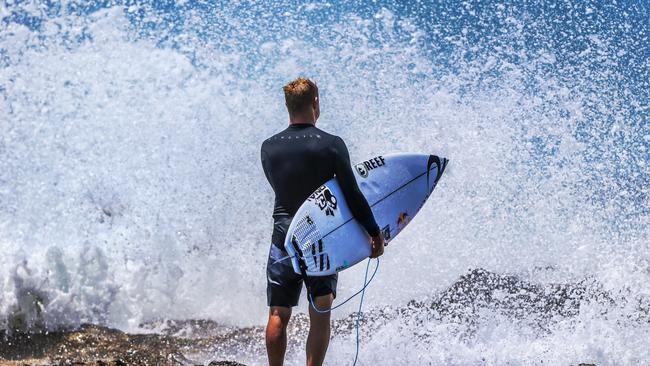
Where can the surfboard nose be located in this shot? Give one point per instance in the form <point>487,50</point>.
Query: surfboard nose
<point>440,164</point>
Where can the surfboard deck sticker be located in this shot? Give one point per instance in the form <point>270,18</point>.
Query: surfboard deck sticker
<point>325,238</point>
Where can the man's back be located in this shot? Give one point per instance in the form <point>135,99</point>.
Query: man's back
<point>298,160</point>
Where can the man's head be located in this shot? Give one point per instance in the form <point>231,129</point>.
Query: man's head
<point>301,98</point>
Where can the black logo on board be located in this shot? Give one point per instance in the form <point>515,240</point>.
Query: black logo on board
<point>324,199</point>
<point>364,168</point>
<point>386,232</point>
<point>361,169</point>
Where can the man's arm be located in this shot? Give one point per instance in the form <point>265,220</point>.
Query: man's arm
<point>356,201</point>
<point>265,162</point>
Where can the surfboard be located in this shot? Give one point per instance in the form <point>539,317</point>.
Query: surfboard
<point>324,238</point>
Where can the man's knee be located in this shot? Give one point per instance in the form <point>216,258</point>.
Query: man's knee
<point>279,316</point>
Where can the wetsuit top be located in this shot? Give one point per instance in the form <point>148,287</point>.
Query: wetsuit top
<point>300,159</point>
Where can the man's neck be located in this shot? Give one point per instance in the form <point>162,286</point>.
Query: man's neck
<point>302,119</point>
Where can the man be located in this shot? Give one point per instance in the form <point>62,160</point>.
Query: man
<point>296,161</point>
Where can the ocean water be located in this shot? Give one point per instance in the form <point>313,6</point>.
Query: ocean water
<point>131,188</point>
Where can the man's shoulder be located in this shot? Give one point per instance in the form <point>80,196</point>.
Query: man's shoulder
<point>331,141</point>
<point>271,138</point>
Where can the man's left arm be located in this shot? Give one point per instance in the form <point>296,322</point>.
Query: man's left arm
<point>356,201</point>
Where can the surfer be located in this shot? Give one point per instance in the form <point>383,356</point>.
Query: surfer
<point>296,162</point>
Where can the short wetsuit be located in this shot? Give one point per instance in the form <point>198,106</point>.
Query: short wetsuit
<point>296,161</point>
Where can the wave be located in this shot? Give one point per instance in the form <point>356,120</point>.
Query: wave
<point>131,191</point>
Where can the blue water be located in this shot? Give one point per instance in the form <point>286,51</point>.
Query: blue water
<point>130,186</point>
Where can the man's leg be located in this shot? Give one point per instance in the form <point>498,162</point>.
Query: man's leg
<point>319,331</point>
<point>276,334</point>
<point>283,288</point>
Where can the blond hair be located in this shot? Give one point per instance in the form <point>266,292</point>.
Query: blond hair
<point>299,94</point>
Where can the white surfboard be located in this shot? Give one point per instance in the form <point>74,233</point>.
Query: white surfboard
<point>324,237</point>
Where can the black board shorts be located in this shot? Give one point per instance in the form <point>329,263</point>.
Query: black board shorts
<point>283,285</point>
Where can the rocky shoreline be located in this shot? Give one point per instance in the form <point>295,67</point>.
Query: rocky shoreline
<point>199,342</point>
<point>100,346</point>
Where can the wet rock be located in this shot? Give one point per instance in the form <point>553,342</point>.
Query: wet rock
<point>94,345</point>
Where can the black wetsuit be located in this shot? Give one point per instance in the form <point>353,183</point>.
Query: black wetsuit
<point>296,162</point>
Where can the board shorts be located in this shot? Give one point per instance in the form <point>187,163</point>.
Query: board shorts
<point>283,285</point>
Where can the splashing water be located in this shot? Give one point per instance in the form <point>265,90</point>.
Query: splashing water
<point>131,188</point>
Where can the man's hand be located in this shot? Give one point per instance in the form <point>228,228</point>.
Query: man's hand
<point>377,245</point>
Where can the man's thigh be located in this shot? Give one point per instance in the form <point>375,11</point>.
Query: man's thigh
<point>319,286</point>
<point>283,285</point>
